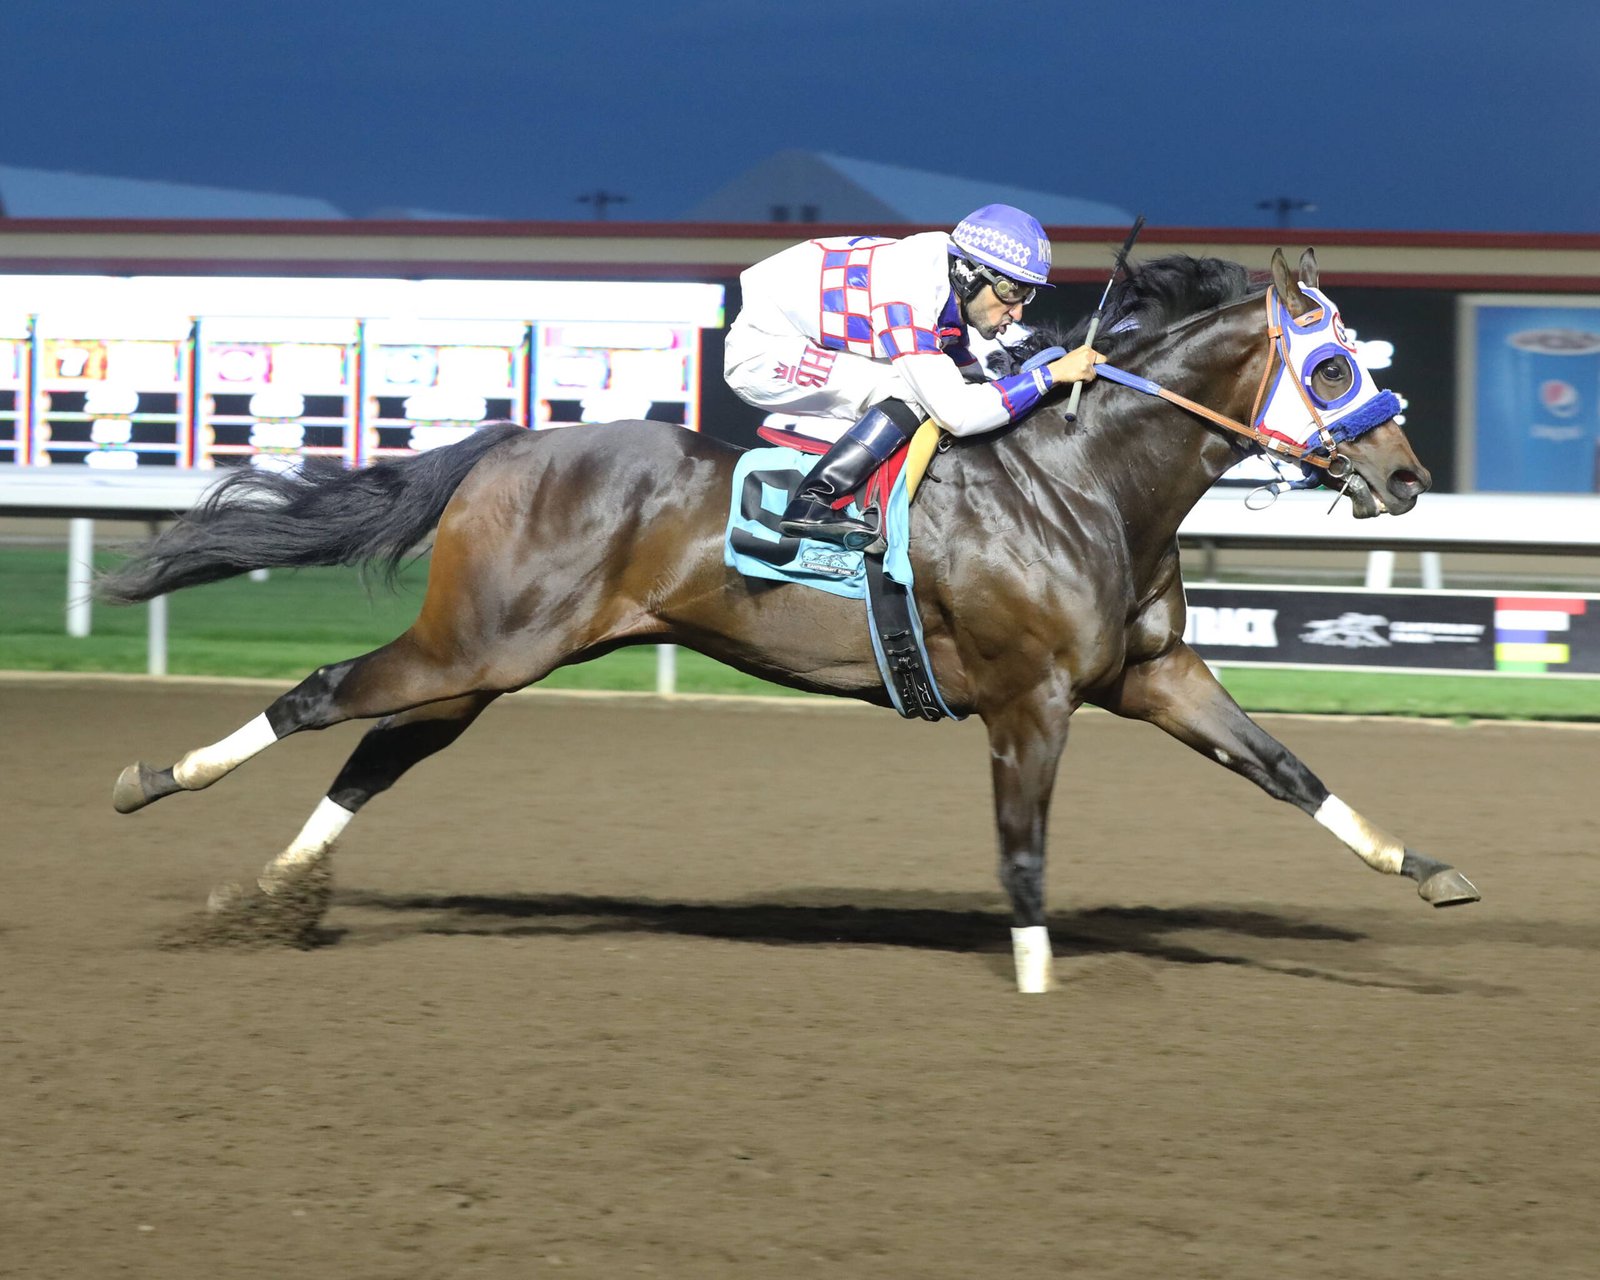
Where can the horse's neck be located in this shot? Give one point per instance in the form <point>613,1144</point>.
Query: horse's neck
<point>1152,458</point>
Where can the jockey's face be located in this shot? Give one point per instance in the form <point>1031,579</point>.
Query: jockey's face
<point>988,314</point>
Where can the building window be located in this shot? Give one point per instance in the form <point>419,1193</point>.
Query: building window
<point>809,213</point>
<point>780,213</point>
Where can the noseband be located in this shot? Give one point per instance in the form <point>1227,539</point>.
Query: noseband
<point>1297,344</point>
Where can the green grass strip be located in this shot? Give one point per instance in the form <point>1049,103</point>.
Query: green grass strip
<point>293,623</point>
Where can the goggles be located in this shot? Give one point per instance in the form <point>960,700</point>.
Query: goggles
<point>1006,289</point>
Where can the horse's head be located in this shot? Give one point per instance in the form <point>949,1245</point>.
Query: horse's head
<point>1372,460</point>
<point>1306,398</point>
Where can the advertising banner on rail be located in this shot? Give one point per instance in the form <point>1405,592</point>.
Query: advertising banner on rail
<point>1485,632</point>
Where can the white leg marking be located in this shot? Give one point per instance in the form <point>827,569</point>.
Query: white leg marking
<point>322,828</point>
<point>1376,847</point>
<point>1035,969</point>
<point>204,765</point>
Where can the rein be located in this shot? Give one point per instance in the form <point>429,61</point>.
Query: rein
<point>1305,456</point>
<point>1323,454</point>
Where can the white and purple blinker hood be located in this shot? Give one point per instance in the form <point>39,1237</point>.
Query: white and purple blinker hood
<point>1292,410</point>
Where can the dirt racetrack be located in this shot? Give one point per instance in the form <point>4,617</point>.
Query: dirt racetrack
<point>607,993</point>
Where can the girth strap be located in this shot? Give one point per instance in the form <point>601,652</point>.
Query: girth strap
<point>896,632</point>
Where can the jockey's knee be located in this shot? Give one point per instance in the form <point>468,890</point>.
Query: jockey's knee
<point>905,416</point>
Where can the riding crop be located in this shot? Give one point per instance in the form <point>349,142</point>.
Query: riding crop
<point>1094,322</point>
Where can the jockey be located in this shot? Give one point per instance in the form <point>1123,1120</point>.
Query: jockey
<point>875,331</point>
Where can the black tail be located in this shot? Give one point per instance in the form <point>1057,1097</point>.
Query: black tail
<point>321,514</point>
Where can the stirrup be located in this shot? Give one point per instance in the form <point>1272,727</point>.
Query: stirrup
<point>832,526</point>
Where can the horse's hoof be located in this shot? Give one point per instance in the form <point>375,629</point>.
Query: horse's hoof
<point>225,898</point>
<point>243,916</point>
<point>139,785</point>
<point>239,917</point>
<point>1448,888</point>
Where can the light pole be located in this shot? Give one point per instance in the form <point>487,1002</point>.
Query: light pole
<point>1284,206</point>
<point>601,200</point>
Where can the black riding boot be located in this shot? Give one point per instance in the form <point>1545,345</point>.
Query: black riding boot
<point>860,451</point>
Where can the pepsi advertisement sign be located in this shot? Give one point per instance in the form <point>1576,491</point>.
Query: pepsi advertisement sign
<point>1532,394</point>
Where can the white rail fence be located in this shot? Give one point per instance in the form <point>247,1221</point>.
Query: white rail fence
<point>1525,523</point>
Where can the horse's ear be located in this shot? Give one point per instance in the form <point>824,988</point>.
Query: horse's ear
<point>1308,269</point>
<point>1288,287</point>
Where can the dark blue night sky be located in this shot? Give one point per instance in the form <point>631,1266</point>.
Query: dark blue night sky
<point>1468,115</point>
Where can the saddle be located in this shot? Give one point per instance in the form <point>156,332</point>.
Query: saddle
<point>912,457</point>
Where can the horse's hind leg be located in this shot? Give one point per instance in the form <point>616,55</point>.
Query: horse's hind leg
<point>401,675</point>
<point>482,629</point>
<point>489,622</point>
<point>386,751</point>
<point>297,884</point>
<point>1178,693</point>
<point>140,784</point>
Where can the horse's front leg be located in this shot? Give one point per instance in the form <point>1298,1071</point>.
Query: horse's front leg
<point>1178,692</point>
<point>1026,738</point>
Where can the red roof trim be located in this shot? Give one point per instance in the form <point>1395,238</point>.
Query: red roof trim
<point>720,272</point>
<point>778,231</point>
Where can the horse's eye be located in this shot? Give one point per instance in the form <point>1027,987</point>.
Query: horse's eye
<point>1333,370</point>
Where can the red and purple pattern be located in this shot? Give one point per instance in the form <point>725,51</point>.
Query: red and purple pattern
<point>845,306</point>
<point>848,320</point>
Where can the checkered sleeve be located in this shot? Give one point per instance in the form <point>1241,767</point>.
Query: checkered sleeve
<point>900,331</point>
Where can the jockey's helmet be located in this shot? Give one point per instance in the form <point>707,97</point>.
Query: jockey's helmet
<point>1006,240</point>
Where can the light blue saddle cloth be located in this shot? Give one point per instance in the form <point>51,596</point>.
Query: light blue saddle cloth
<point>762,483</point>
<point>763,479</point>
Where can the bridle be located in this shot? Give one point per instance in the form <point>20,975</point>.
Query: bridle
<point>1291,357</point>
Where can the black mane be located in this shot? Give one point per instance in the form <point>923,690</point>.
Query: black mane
<point>1149,299</point>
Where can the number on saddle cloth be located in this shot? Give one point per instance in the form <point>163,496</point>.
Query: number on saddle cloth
<point>764,481</point>
<point>754,510</point>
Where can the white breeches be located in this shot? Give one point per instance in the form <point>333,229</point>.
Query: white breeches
<point>791,374</point>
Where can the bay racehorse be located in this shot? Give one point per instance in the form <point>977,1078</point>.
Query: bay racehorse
<point>1045,556</point>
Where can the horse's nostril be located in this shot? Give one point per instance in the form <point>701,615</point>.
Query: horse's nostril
<point>1406,483</point>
